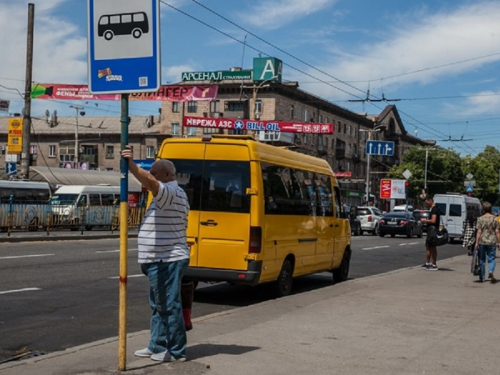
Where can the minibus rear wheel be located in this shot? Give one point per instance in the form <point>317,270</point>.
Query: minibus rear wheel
<point>341,274</point>
<point>283,286</point>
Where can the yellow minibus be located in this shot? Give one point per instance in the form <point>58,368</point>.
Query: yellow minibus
<point>259,213</point>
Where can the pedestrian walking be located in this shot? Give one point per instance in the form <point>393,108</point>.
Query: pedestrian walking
<point>469,227</point>
<point>164,258</point>
<point>433,221</point>
<point>487,240</point>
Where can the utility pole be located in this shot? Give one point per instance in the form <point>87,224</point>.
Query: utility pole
<point>376,128</point>
<point>25,154</point>
<point>77,146</point>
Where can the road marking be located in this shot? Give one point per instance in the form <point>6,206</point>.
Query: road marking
<point>375,247</point>
<point>129,276</point>
<point>113,251</point>
<point>408,243</point>
<point>20,290</point>
<point>27,256</point>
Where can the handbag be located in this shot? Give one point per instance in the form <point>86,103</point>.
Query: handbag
<point>474,264</point>
<point>437,237</point>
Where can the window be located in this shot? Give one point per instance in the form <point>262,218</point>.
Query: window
<point>291,111</point>
<point>234,106</point>
<point>150,152</point>
<point>295,192</point>
<point>175,107</point>
<point>110,152</point>
<point>192,107</point>
<point>191,131</point>
<point>320,119</point>
<point>52,151</point>
<point>175,128</point>
<point>455,210</point>
<point>67,153</point>
<point>215,106</point>
<point>306,113</point>
<point>94,199</point>
<point>107,199</point>
<point>299,112</point>
<point>442,208</point>
<point>211,131</point>
<point>225,186</point>
<point>258,108</point>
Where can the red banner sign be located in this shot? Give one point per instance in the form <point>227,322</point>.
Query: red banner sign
<point>385,189</point>
<point>173,93</point>
<point>343,174</point>
<point>273,126</point>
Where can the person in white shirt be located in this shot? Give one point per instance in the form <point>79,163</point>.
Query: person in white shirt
<point>164,258</point>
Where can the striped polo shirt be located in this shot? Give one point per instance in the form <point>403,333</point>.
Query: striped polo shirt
<point>162,236</point>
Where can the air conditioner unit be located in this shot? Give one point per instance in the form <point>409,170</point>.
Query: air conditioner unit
<point>269,136</point>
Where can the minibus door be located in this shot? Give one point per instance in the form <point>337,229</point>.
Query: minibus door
<point>224,223</point>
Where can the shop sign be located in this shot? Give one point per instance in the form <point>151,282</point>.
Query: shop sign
<point>273,126</point>
<point>217,76</point>
<point>15,136</point>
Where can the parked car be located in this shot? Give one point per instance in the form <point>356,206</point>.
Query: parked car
<point>369,217</point>
<point>352,213</point>
<point>403,223</point>
<point>422,214</point>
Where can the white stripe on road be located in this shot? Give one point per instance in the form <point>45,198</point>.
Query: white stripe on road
<point>409,243</point>
<point>27,256</point>
<point>113,251</point>
<point>117,277</point>
<point>20,290</point>
<point>375,247</point>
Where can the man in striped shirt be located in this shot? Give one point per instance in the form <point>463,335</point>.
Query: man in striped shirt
<point>164,257</point>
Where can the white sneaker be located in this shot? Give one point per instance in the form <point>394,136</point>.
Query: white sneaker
<point>166,357</point>
<point>145,353</point>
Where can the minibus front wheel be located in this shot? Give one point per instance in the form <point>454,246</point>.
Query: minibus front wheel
<point>283,286</point>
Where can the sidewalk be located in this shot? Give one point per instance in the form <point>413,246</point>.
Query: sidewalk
<point>63,235</point>
<point>409,321</point>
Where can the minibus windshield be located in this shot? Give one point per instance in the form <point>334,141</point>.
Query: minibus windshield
<point>63,199</point>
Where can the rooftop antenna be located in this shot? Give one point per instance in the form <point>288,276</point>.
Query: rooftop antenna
<point>243,55</point>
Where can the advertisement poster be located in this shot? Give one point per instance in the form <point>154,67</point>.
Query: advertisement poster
<point>173,93</point>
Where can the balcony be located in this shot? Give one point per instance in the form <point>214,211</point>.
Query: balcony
<point>235,114</point>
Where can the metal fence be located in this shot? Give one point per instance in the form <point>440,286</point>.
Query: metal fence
<point>50,217</point>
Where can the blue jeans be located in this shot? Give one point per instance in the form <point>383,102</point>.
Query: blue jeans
<point>167,324</point>
<point>490,252</point>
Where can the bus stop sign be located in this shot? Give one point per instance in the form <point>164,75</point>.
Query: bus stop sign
<point>123,46</point>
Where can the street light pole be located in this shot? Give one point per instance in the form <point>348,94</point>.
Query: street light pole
<point>77,109</point>
<point>369,131</point>
<point>256,115</point>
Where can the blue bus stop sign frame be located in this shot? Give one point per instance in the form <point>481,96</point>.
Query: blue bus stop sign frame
<point>123,46</point>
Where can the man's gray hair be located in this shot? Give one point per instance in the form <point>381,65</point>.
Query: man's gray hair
<point>167,165</point>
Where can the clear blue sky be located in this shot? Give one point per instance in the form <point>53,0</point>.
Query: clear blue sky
<point>440,57</point>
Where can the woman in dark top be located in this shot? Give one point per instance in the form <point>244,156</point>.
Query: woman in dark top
<point>433,221</point>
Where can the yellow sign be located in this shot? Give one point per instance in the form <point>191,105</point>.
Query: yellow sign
<point>15,137</point>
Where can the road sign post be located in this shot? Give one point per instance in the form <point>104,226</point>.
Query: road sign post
<point>123,58</point>
<point>380,148</point>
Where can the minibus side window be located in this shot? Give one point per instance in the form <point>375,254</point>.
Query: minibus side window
<point>338,204</point>
<point>325,200</point>
<point>95,199</point>
<point>107,199</point>
<point>82,200</point>
<point>305,200</point>
<point>276,195</point>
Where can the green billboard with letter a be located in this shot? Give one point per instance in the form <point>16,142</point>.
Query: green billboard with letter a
<point>267,69</point>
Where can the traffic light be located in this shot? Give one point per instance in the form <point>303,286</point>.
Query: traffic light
<point>407,189</point>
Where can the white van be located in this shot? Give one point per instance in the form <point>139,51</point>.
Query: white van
<point>68,202</point>
<point>454,208</point>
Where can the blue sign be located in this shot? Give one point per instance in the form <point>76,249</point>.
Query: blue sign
<point>123,46</point>
<point>10,168</point>
<point>469,189</point>
<point>145,163</point>
<point>379,148</point>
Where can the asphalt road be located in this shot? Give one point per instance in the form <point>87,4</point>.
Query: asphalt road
<point>59,294</point>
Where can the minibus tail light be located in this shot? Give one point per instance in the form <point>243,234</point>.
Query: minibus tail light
<point>255,244</point>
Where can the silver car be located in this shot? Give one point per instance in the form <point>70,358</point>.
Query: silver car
<point>369,217</point>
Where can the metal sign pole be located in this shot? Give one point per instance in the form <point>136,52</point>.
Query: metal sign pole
<point>122,330</point>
